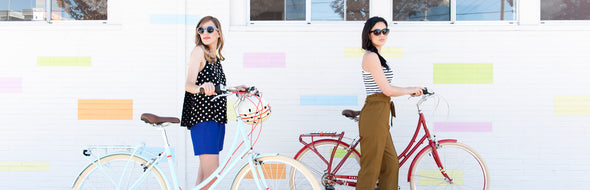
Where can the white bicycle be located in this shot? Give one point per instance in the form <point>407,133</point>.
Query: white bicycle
<point>133,167</point>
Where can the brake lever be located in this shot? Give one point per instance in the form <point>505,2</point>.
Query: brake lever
<point>221,95</point>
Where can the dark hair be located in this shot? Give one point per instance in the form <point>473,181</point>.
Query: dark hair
<point>367,43</point>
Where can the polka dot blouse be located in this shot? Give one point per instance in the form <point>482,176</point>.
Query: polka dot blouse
<point>199,107</point>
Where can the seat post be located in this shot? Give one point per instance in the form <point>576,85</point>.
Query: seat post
<point>164,136</point>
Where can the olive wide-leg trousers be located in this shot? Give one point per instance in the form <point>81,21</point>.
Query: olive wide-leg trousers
<point>378,157</point>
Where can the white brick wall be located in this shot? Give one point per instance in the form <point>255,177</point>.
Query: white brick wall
<point>529,147</point>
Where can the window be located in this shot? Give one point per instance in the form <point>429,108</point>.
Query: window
<point>277,9</point>
<point>442,10</point>
<point>485,10</point>
<point>22,10</point>
<point>33,10</point>
<point>332,10</point>
<point>421,10</point>
<point>320,10</point>
<point>565,9</point>
<point>79,10</point>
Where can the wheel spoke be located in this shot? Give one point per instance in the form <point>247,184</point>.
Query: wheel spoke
<point>118,171</point>
<point>463,165</point>
<point>279,173</point>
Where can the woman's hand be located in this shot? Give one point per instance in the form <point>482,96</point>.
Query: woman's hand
<point>241,87</point>
<point>208,88</point>
<point>415,91</point>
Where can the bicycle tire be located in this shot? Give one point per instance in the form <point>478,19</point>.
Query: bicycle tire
<point>278,171</point>
<point>461,162</point>
<point>93,178</point>
<point>319,168</point>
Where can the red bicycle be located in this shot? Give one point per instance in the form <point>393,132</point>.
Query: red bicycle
<point>439,164</point>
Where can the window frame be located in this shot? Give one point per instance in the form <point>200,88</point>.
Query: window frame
<point>453,18</point>
<point>307,20</point>
<point>48,19</point>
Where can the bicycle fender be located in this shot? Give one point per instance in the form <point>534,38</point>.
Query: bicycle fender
<point>424,150</point>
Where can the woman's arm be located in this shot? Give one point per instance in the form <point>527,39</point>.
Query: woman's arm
<point>196,64</point>
<point>372,65</point>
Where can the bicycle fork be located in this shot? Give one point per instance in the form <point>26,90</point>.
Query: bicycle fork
<point>257,173</point>
<point>442,170</point>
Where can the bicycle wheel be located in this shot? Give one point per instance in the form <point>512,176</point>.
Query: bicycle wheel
<point>466,168</point>
<point>279,172</point>
<point>119,171</point>
<point>319,167</point>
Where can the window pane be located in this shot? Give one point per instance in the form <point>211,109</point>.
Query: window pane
<point>267,9</point>
<point>79,10</point>
<point>334,9</point>
<point>565,9</point>
<point>421,10</point>
<point>295,9</point>
<point>327,10</point>
<point>357,9</point>
<point>485,10</point>
<point>22,10</point>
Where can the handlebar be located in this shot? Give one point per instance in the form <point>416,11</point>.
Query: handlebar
<point>222,90</point>
<point>425,95</point>
<point>354,115</point>
<point>218,89</point>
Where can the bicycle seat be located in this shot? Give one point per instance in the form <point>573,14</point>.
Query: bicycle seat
<point>154,119</point>
<point>350,113</point>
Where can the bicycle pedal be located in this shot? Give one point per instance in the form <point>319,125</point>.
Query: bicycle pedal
<point>330,188</point>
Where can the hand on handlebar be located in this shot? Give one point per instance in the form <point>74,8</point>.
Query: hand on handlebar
<point>416,91</point>
<point>208,89</point>
<point>241,88</point>
<point>220,90</point>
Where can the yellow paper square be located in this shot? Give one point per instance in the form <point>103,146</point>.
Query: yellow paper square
<point>572,105</point>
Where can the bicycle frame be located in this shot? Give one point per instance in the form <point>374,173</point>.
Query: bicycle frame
<point>214,179</point>
<point>224,169</point>
<point>340,136</point>
<point>221,172</point>
<point>403,157</point>
<point>432,143</point>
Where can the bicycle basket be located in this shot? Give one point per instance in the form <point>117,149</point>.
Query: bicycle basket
<point>253,109</point>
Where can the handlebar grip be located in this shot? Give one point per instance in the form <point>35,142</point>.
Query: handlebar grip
<point>425,91</point>
<point>217,90</point>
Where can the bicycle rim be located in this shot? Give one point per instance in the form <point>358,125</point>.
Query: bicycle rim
<point>118,171</point>
<point>461,163</point>
<point>279,172</point>
<point>318,167</point>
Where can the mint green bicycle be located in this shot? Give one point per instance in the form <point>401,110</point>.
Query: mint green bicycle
<point>133,167</point>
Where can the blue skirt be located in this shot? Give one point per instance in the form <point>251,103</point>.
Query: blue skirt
<point>207,137</point>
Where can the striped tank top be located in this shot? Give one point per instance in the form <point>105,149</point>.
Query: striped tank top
<point>371,86</point>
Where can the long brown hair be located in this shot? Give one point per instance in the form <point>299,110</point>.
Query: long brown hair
<point>208,56</point>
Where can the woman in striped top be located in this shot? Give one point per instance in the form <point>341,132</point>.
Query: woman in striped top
<point>379,159</point>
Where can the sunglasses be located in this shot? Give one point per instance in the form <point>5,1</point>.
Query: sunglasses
<point>378,32</point>
<point>210,29</point>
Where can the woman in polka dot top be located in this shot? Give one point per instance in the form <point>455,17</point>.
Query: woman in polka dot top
<point>203,116</point>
